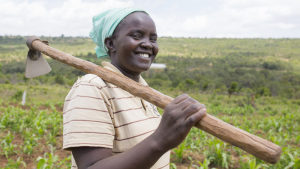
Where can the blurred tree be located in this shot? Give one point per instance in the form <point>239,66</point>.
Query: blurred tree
<point>233,88</point>
<point>59,80</point>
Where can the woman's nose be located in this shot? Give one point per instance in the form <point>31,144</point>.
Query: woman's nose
<point>147,44</point>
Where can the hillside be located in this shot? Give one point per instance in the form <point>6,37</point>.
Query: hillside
<point>268,67</point>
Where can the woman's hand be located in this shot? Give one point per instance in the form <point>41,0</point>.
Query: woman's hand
<point>178,118</point>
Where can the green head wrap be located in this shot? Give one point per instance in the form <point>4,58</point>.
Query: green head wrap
<point>104,25</point>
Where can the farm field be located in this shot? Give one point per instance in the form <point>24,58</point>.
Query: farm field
<point>253,84</point>
<point>31,134</point>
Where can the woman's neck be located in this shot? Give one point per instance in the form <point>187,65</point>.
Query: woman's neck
<point>131,75</point>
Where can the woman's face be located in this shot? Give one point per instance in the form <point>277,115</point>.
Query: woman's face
<point>135,44</point>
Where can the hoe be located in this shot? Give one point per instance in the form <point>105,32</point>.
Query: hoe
<point>36,65</point>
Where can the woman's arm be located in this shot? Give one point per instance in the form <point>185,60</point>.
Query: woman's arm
<point>180,115</point>
<point>143,155</point>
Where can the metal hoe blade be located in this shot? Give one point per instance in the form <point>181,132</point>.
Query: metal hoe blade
<point>36,65</point>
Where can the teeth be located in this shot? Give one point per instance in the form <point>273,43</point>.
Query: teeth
<point>144,55</point>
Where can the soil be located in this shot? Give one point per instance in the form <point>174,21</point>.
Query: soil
<point>30,160</point>
<point>39,150</point>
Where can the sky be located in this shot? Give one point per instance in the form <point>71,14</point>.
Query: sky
<point>175,18</point>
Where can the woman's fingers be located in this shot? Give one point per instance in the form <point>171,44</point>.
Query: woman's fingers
<point>183,104</point>
<point>191,108</point>
<point>180,98</point>
<point>187,105</point>
<point>196,117</point>
<point>194,112</point>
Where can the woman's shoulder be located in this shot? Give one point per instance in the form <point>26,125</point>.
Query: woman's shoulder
<point>92,79</point>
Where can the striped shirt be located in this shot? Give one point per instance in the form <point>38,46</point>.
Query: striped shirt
<point>99,114</point>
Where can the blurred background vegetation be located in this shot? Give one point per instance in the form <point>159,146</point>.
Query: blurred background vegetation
<point>253,84</point>
<point>262,67</point>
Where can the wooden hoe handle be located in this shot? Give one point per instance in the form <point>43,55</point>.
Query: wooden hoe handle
<point>252,144</point>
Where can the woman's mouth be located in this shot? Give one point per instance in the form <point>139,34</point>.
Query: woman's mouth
<point>144,55</point>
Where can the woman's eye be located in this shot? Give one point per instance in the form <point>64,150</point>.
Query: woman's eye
<point>136,35</point>
<point>153,39</point>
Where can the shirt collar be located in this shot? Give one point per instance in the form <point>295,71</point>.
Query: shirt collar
<point>111,67</point>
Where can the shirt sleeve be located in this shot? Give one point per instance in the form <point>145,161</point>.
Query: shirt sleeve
<point>86,119</point>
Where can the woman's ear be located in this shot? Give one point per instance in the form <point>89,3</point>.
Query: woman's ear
<point>109,43</point>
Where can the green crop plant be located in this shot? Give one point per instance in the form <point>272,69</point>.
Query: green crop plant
<point>204,164</point>
<point>15,164</point>
<point>179,151</point>
<point>173,166</point>
<point>251,164</point>
<point>48,161</point>
<point>29,137</point>
<point>195,139</point>
<point>8,148</point>
<point>27,147</point>
<point>217,154</point>
<point>290,160</point>
<point>52,161</point>
<point>51,139</point>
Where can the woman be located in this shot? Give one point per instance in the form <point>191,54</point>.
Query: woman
<point>107,127</point>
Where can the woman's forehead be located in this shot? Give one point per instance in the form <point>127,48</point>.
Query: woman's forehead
<point>137,19</point>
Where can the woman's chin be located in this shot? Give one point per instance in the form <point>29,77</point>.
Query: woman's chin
<point>143,67</point>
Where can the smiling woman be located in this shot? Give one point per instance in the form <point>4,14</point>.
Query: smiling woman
<point>107,127</point>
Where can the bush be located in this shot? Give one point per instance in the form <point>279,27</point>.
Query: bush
<point>59,80</point>
<point>273,65</point>
<point>263,91</point>
<point>233,88</point>
<point>18,95</point>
